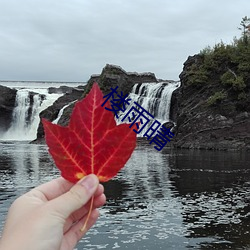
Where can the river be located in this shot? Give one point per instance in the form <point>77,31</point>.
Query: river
<point>174,199</point>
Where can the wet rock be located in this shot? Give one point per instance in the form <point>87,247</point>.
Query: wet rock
<point>52,112</point>
<point>7,105</point>
<point>168,125</point>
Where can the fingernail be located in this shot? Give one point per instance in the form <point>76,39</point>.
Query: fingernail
<point>89,182</point>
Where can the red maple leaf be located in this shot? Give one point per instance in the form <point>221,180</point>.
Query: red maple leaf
<point>92,142</point>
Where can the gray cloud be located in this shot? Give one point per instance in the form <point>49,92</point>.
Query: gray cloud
<point>69,40</point>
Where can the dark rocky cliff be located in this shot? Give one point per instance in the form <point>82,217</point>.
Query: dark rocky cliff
<point>210,115</point>
<point>113,76</point>
<point>7,104</point>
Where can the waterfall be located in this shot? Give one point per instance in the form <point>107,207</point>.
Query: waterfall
<point>153,97</point>
<point>21,111</point>
<point>61,112</point>
<point>25,117</point>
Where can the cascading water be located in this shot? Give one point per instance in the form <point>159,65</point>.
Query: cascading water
<point>153,97</point>
<point>25,117</point>
<point>61,112</point>
<point>20,112</point>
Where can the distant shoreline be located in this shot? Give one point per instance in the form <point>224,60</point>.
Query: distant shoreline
<point>47,81</point>
<point>39,84</point>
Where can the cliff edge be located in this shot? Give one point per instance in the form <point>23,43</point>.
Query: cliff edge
<point>212,106</point>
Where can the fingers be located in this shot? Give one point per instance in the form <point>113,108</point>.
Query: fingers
<point>77,215</point>
<point>75,198</point>
<point>54,188</point>
<point>75,234</point>
<point>99,190</point>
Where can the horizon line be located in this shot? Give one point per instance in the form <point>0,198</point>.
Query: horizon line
<point>42,81</point>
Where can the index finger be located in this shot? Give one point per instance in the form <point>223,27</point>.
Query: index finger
<point>54,188</point>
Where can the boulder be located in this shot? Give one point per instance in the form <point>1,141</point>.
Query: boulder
<point>113,76</point>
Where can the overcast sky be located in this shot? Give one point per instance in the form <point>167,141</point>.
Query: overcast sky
<point>68,40</point>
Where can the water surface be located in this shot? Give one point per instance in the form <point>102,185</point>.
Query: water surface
<point>160,200</point>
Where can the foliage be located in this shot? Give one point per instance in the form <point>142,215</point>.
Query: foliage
<point>234,81</point>
<point>245,28</point>
<point>239,84</point>
<point>225,66</point>
<point>206,51</point>
<point>242,96</point>
<point>197,75</point>
<point>228,78</point>
<point>216,98</point>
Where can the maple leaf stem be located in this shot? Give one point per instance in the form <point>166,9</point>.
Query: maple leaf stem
<point>88,215</point>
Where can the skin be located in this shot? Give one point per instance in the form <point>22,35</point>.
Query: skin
<point>50,216</point>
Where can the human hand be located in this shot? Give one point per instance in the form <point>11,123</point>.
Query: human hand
<point>50,216</point>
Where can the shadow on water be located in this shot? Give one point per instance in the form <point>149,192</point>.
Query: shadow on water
<point>160,200</point>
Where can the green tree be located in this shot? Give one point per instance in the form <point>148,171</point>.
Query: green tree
<point>216,98</point>
<point>245,28</point>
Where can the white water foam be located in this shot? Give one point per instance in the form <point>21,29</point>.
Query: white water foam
<point>153,97</point>
<point>61,112</point>
<point>25,117</point>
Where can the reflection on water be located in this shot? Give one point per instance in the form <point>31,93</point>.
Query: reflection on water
<point>141,209</point>
<point>22,167</point>
<point>167,200</point>
<point>215,192</point>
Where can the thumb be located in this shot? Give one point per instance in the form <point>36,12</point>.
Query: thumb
<point>76,197</point>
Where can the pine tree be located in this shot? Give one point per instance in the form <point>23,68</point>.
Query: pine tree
<point>245,28</point>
